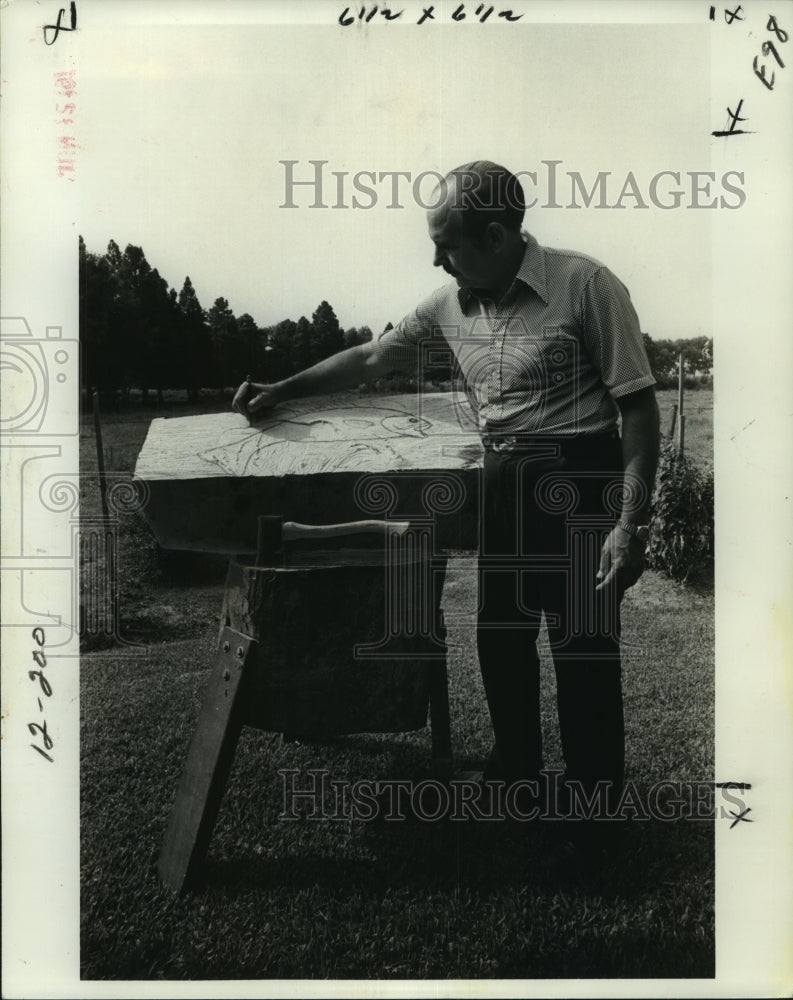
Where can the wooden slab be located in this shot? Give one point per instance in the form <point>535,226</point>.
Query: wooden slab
<point>315,436</point>
<point>209,476</point>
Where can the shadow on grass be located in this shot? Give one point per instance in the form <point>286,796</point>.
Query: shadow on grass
<point>493,856</point>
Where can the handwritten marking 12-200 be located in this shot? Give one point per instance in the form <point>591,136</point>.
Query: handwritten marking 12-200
<point>37,676</point>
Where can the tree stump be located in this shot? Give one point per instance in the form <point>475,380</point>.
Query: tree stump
<point>343,640</point>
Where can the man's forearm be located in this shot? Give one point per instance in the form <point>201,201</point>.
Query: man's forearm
<point>340,371</point>
<point>640,442</point>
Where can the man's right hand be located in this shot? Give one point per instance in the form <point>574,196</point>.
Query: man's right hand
<point>254,397</point>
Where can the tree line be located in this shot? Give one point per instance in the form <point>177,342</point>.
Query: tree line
<point>664,358</point>
<point>138,333</point>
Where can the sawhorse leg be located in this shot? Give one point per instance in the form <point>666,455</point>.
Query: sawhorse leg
<point>208,764</point>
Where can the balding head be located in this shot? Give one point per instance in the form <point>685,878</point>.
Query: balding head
<point>476,227</point>
<point>484,192</point>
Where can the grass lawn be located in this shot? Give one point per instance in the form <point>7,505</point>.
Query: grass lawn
<point>350,899</point>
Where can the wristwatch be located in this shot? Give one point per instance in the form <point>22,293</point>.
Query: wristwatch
<point>640,531</point>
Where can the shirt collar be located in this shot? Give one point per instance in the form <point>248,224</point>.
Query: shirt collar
<point>531,271</point>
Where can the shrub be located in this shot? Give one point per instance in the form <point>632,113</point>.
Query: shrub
<point>681,520</point>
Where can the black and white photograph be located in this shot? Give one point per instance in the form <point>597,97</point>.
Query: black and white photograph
<point>396,559</point>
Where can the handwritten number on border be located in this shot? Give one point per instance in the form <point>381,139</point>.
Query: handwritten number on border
<point>768,48</point>
<point>46,689</point>
<point>57,28</point>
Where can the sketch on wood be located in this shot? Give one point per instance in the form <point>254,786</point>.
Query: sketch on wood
<point>364,437</point>
<point>317,435</point>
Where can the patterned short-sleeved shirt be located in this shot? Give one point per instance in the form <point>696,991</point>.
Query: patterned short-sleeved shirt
<point>562,345</point>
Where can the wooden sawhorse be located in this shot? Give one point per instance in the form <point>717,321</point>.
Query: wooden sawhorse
<point>288,661</point>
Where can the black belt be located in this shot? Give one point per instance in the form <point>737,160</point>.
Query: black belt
<point>507,444</point>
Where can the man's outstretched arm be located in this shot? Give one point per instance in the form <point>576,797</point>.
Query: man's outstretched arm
<point>361,363</point>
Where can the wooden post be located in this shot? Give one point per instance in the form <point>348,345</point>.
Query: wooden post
<point>672,422</point>
<point>100,454</point>
<point>681,444</point>
<point>681,435</point>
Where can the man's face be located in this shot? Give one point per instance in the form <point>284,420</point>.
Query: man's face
<point>469,260</point>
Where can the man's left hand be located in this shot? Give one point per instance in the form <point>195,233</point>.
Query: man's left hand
<point>621,562</point>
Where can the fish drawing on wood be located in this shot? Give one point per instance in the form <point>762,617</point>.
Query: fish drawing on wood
<point>369,432</point>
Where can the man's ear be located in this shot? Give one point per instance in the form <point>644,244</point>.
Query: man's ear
<point>496,237</point>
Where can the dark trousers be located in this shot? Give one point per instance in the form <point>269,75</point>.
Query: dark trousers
<point>547,510</point>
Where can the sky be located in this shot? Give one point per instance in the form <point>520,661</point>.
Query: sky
<point>183,130</point>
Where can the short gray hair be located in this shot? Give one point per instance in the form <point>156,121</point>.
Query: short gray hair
<point>486,192</point>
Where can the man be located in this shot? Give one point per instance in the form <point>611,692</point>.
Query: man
<point>552,354</point>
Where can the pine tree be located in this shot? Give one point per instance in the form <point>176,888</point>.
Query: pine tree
<point>327,334</point>
<point>196,346</point>
<point>224,334</point>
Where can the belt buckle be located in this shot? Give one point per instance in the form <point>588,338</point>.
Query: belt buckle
<point>503,446</point>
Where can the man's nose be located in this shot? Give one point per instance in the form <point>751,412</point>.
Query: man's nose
<point>438,258</point>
